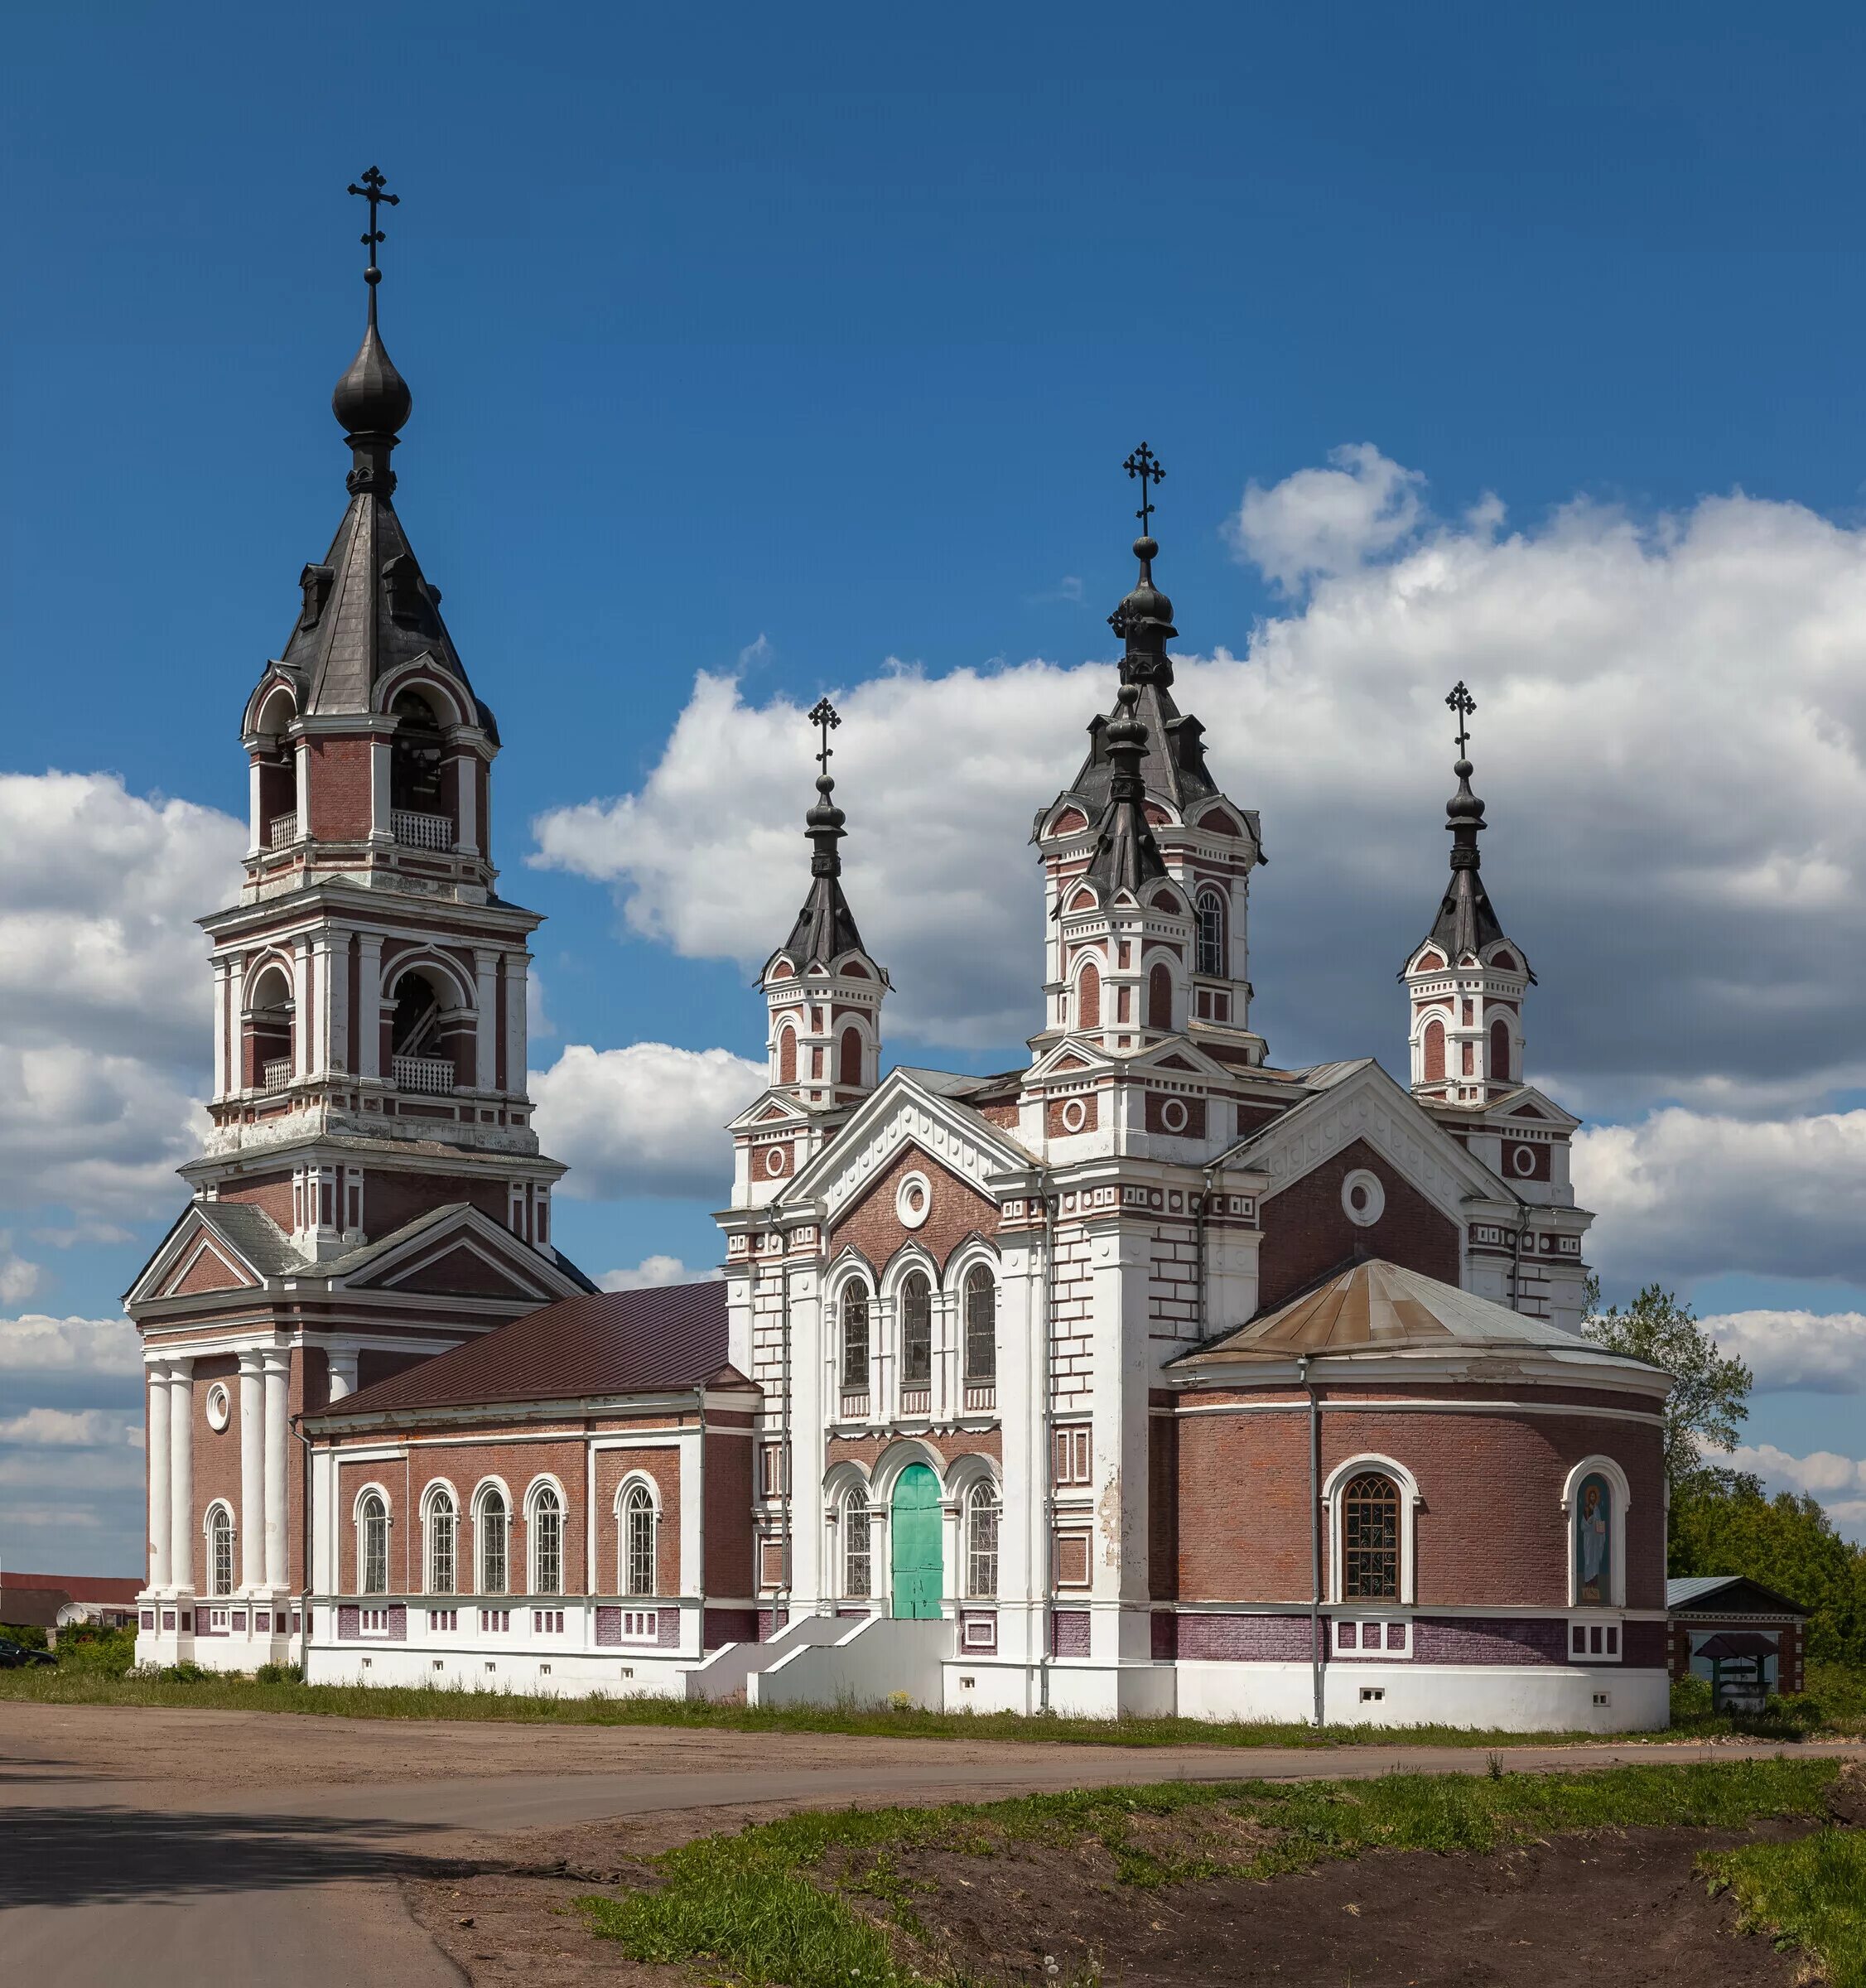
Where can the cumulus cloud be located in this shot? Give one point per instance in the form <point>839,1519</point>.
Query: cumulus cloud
<point>1320,521</point>
<point>39,1343</point>
<point>1837,1483</point>
<point>1822,1352</point>
<point>643,1120</point>
<point>71,1429</point>
<point>652,1273</point>
<point>84,1129</point>
<point>18,1277</point>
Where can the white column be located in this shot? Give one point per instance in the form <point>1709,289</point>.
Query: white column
<point>160,1526</point>
<point>303,776</point>
<point>303,1022</point>
<point>342,1361</point>
<point>379,826</point>
<point>256,840</point>
<point>368,1022</point>
<point>515,967</point>
<point>329,1040</point>
<point>323,1538</point>
<point>223,971</point>
<point>692,1476</point>
<point>252,1470</point>
<point>466,813</point>
<point>181,1474</point>
<point>485,1032</point>
<point>278,1375</point>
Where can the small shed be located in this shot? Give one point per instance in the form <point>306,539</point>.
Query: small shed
<point>1744,1640</point>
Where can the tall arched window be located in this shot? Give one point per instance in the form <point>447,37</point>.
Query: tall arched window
<point>1435,1051</point>
<point>638,1540</point>
<point>493,1528</point>
<point>414,766</point>
<point>786,1054</point>
<point>372,1544</point>
<point>982,1325</point>
<point>220,1550</point>
<point>981,1541</point>
<point>857,1561</point>
<point>916,1331</point>
<point>442,1522</point>
<point>855,1335</point>
<point>1370,1538</point>
<point>848,1057</point>
<point>547,1542</point>
<point>1210,934</point>
<point>1160,997</point>
<point>1499,1051</point>
<point>269,1031</point>
<point>1088,998</point>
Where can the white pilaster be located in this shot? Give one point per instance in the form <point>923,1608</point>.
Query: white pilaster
<point>485,1035</point>
<point>252,1470</point>
<point>342,1361</point>
<point>380,828</point>
<point>516,966</point>
<point>278,1373</point>
<point>692,1476</point>
<point>256,841</point>
<point>330,1036</point>
<point>223,973</point>
<point>320,1491</point>
<point>367,1022</point>
<point>181,1474</point>
<point>814,1383</point>
<point>304,779</point>
<point>466,813</point>
<point>161,1525</point>
<point>303,1021</point>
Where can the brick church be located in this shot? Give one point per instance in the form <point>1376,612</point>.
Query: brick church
<point>1147,1376</point>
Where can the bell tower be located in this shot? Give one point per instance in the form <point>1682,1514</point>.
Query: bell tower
<point>1465,982</point>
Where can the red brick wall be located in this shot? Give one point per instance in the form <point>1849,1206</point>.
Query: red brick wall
<point>216,1464</point>
<point>390,1199</point>
<point>270,1193</point>
<point>1306,1232</point>
<point>1490,1529</point>
<point>340,789</point>
<point>873,1227</point>
<point>1053,1115</point>
<point>729,1499</point>
<point>662,1466</point>
<point>1194,1125</point>
<point>211,1270</point>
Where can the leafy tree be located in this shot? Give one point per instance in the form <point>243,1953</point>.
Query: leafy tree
<point>1711,1390</point>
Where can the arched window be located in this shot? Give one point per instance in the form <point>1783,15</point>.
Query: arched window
<point>442,1530</point>
<point>1499,1051</point>
<point>855,1335</point>
<point>786,1054</point>
<point>372,1544</point>
<point>857,1561</point>
<point>269,1031</point>
<point>981,1541</point>
<point>493,1528</point>
<point>219,1550</point>
<point>547,1542</point>
<point>982,1325</point>
<point>848,1057</point>
<point>916,1331</point>
<point>414,765</point>
<point>1160,997</point>
<point>1088,998</point>
<point>1435,1051</point>
<point>638,1540</point>
<point>1210,934</point>
<point>416,1029</point>
<point>1370,1538</point>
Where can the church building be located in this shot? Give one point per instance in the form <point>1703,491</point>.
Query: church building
<point>1147,1376</point>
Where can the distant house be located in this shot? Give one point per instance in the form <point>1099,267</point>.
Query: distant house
<point>56,1601</point>
<point>1744,1640</point>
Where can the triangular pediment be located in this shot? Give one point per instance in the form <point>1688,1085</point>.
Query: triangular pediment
<point>205,1253</point>
<point>207,1267</point>
<point>453,1252</point>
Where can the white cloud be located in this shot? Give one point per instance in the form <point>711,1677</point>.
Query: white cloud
<point>40,1345</point>
<point>652,1273</point>
<point>1823,1351</point>
<point>18,1278</point>
<point>643,1120</point>
<point>1837,1483</point>
<point>1322,522</point>
<point>71,1429</point>
<point>84,1129</point>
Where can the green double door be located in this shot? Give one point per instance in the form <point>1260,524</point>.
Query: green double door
<point>915,1526</point>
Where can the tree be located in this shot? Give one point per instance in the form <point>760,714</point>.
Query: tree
<point>1711,1390</point>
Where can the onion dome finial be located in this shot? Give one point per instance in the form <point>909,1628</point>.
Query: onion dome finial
<point>372,397</point>
<point>1144,621</point>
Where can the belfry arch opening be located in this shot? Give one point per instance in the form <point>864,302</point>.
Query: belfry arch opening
<point>415,774</point>
<point>275,759</point>
<point>425,1027</point>
<point>268,1030</point>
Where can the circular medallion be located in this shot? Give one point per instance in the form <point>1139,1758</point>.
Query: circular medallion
<point>774,1160</point>
<point>1173,1115</point>
<point>913,1199</point>
<point>220,1405</point>
<point>1363,1197</point>
<point>1075,1115</point>
<point>1524,1160</point>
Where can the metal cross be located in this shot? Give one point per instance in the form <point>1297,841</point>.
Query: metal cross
<point>371,189</point>
<point>1463,703</point>
<point>824,718</point>
<point>1143,464</point>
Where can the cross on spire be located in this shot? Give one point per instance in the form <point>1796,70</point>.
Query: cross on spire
<point>1463,703</point>
<point>1143,464</point>
<point>371,189</point>
<point>826,719</point>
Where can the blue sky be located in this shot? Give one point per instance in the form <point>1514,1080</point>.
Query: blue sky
<point>804,349</point>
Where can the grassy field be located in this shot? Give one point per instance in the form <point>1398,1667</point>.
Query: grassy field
<point>818,1899</point>
<point>97,1672</point>
<point>1812,1892</point>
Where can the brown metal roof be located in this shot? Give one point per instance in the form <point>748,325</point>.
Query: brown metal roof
<point>611,1343</point>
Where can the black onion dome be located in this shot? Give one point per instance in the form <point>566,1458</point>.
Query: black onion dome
<point>372,397</point>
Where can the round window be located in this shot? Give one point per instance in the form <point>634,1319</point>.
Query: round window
<point>913,1199</point>
<point>220,1405</point>
<point>1524,1160</point>
<point>1075,1115</point>
<point>1363,1197</point>
<point>1173,1115</point>
<point>774,1160</point>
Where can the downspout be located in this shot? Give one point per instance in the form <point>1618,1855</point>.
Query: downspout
<point>781,1605</point>
<point>699,1571</point>
<point>1515,1256</point>
<point>1314,1539</point>
<point>1047,1424</point>
<point>304,1550</point>
<point>1198,1240</point>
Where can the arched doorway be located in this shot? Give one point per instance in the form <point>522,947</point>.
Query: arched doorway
<point>918,1567</point>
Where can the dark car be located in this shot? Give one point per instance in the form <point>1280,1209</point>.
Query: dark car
<point>13,1658</point>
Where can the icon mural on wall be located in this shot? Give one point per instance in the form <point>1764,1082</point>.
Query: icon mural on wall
<point>1593,1550</point>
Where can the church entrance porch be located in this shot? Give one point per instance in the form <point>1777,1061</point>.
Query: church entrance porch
<point>918,1562</point>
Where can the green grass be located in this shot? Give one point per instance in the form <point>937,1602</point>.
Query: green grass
<point>763,1904</point>
<point>1810,1893</point>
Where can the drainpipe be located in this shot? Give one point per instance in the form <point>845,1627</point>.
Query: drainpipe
<point>1314,1538</point>
<point>304,1550</point>
<point>781,1603</point>
<point>699,1571</point>
<point>1204,1203</point>
<point>1047,1424</point>
<point>1516,1257</point>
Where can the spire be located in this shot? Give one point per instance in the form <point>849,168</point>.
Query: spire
<point>1145,618</point>
<point>826,926</point>
<point>1466,924</point>
<point>372,401</point>
<point>1125,855</point>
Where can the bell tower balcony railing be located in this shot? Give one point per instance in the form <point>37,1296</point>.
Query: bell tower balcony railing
<point>275,1073</point>
<point>282,832</point>
<point>414,830</point>
<point>434,1074</point>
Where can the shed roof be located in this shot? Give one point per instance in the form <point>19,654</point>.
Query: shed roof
<point>1712,1595</point>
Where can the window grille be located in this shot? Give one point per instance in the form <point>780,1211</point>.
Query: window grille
<point>220,1537</point>
<point>916,1332</point>
<point>493,1530</point>
<point>981,1326</point>
<point>638,1541</point>
<point>440,1544</point>
<point>547,1544</point>
<point>374,1546</point>
<point>981,1542</point>
<point>857,1576</point>
<point>1211,934</point>
<point>1370,1530</point>
<point>855,1336</point>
